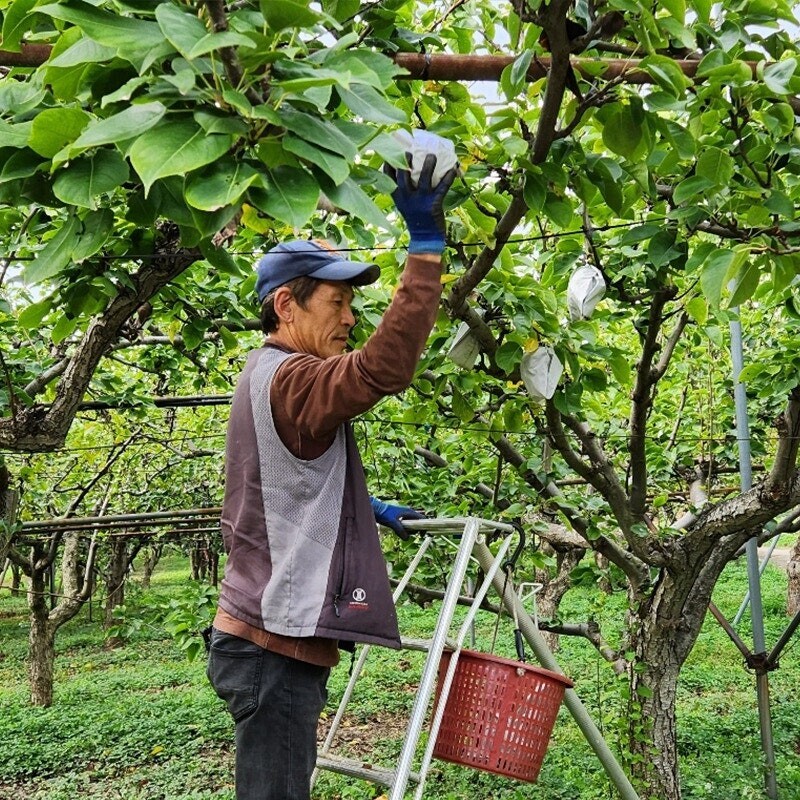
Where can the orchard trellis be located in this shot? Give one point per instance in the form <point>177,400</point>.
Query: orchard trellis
<point>672,151</point>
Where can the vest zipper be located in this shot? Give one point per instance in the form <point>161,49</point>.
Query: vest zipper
<point>338,596</point>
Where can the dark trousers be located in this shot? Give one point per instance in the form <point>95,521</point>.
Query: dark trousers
<point>275,702</point>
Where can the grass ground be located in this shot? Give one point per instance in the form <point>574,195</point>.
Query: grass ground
<point>139,722</point>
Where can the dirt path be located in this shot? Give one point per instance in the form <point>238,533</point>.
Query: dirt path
<point>779,558</point>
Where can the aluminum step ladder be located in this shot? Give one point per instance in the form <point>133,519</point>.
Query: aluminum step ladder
<point>471,531</point>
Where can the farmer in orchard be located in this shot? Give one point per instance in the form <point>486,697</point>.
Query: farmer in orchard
<point>305,572</point>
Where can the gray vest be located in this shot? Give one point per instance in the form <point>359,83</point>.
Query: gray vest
<point>302,509</point>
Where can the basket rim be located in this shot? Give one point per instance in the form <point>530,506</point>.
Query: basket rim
<point>509,662</point>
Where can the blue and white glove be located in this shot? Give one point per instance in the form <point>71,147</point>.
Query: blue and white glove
<point>421,206</point>
<point>392,516</point>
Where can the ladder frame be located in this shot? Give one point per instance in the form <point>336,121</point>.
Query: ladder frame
<point>472,544</point>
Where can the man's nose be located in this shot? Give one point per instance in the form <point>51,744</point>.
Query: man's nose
<point>348,318</point>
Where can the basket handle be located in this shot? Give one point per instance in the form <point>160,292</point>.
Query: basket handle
<point>520,644</point>
<point>511,562</point>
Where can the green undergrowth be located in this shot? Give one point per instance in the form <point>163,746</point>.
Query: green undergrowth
<point>139,721</point>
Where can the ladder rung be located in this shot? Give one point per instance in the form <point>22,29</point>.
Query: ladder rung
<point>360,769</point>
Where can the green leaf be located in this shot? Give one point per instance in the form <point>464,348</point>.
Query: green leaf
<point>183,30</point>
<point>622,132</point>
<point>227,338</point>
<point>559,210</point>
<point>63,328</point>
<point>21,164</point>
<point>84,180</point>
<point>508,356</point>
<point>677,8</point>
<point>534,191</point>
<point>224,185</point>
<point>15,135</point>
<point>84,51</point>
<point>175,147</point>
<point>691,187</point>
<point>513,77</point>
<point>461,406</point>
<point>779,203</point>
<point>290,196</point>
<point>317,131</point>
<point>220,259</point>
<point>349,196</point>
<point>703,9</point>
<point>620,367</point>
<point>667,74</point>
<point>513,419</point>
<point>661,248</point>
<point>697,308</point>
<point>17,22</point>
<point>341,10</point>
<point>746,283</point>
<point>368,103</point>
<point>281,14</point>
<point>335,167</point>
<point>133,121</point>
<point>714,274</point>
<point>190,36</point>
<point>133,38</point>
<point>56,254</point>
<point>715,165</point>
<point>31,316</point>
<point>96,228</point>
<point>55,127</point>
<point>778,75</point>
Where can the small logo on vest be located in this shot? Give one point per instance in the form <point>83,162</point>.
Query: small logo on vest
<point>359,601</point>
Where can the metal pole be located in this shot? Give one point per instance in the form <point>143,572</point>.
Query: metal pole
<point>753,577</point>
<point>548,661</point>
<point>762,566</point>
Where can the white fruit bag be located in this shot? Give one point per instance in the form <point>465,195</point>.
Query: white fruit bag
<point>585,289</point>
<point>541,371</point>
<point>465,348</point>
<point>419,144</point>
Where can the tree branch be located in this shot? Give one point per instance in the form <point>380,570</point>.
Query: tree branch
<point>600,473</point>
<point>38,429</point>
<point>634,568</point>
<point>229,56</point>
<point>641,402</point>
<point>784,468</point>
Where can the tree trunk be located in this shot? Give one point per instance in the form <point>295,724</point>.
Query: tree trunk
<point>115,579</point>
<point>653,681</point>
<point>151,559</point>
<point>553,589</point>
<point>76,582</point>
<point>41,641</point>
<point>198,559</point>
<point>793,589</point>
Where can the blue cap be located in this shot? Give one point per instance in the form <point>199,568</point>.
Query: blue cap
<point>311,258</point>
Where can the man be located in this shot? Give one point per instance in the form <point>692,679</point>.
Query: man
<point>304,569</point>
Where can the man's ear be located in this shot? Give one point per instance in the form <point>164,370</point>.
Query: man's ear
<point>284,304</point>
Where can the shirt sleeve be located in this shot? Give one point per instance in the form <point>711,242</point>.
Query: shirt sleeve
<point>314,395</point>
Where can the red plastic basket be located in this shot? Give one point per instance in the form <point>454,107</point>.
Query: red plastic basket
<point>499,714</point>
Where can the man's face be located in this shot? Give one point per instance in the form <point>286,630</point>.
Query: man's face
<point>323,326</point>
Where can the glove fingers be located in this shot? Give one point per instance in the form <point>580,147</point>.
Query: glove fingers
<point>426,173</point>
<point>445,183</point>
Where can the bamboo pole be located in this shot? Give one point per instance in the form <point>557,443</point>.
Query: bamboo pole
<point>453,67</point>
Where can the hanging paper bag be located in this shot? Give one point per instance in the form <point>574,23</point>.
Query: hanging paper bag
<point>585,290</point>
<point>541,371</point>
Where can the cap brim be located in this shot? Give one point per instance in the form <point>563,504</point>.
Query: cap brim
<point>352,272</point>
